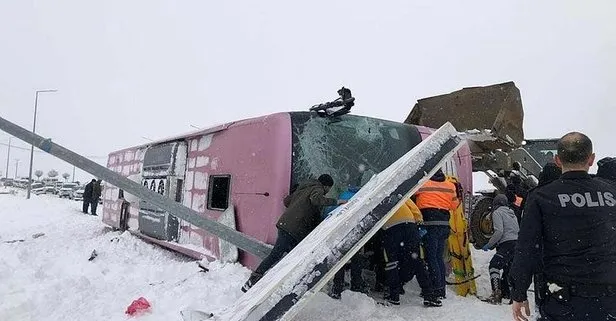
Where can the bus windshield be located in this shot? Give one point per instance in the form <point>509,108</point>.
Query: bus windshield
<point>350,148</point>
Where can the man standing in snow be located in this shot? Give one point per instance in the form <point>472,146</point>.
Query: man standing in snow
<point>303,214</point>
<point>574,220</point>
<point>549,173</point>
<point>96,195</point>
<point>436,198</point>
<point>87,195</point>
<point>504,238</point>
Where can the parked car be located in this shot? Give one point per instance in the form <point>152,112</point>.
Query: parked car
<point>50,189</point>
<point>38,188</point>
<point>67,190</point>
<point>78,194</point>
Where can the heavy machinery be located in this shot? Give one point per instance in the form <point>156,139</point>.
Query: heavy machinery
<point>496,110</point>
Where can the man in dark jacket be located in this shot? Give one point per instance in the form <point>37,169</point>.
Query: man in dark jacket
<point>303,214</point>
<point>574,219</point>
<point>96,195</point>
<point>87,195</point>
<point>549,173</point>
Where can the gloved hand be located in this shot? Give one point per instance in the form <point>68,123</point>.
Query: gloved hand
<point>422,232</point>
<point>485,248</point>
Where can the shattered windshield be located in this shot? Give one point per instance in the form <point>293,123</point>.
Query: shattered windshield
<point>350,148</point>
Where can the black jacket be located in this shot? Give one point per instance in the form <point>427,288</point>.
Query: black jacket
<point>574,220</point>
<point>304,208</point>
<point>96,191</point>
<point>87,191</point>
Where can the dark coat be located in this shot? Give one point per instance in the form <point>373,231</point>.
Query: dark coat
<point>96,191</point>
<point>87,191</point>
<point>304,207</point>
<point>573,219</point>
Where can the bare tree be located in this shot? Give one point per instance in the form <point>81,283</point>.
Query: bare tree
<point>52,173</point>
<point>38,174</point>
<point>66,176</point>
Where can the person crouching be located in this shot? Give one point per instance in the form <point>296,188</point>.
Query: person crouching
<point>303,214</point>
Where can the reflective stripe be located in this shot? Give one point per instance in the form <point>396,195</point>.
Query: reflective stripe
<point>436,189</point>
<point>437,223</point>
<point>391,266</point>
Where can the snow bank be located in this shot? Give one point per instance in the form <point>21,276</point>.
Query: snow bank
<point>50,277</point>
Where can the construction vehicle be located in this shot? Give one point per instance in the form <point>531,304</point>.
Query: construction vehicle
<point>496,110</point>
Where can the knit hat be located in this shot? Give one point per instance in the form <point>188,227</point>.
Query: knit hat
<point>607,168</point>
<point>549,173</point>
<point>500,200</point>
<point>326,180</point>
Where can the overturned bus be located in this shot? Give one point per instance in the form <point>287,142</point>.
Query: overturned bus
<point>238,173</point>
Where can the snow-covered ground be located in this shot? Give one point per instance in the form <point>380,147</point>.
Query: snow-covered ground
<point>50,277</point>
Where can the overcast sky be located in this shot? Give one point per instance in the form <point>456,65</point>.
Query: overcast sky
<point>132,69</point>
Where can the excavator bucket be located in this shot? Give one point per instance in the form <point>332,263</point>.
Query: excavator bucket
<point>497,108</point>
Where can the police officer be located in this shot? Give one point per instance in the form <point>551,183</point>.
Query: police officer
<point>573,220</point>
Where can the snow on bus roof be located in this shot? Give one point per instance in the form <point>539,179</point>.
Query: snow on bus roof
<point>201,132</point>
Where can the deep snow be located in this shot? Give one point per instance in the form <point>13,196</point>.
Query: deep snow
<point>50,277</point>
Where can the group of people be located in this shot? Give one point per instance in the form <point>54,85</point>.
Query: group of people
<point>92,195</point>
<point>563,241</point>
<point>561,235</point>
<point>421,220</point>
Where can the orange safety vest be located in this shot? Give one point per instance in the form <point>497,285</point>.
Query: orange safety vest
<point>439,195</point>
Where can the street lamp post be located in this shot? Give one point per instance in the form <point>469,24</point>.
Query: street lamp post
<point>34,131</point>
<point>8,155</point>
<point>16,167</point>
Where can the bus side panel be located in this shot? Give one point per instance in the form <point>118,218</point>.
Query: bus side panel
<point>126,162</point>
<point>256,155</point>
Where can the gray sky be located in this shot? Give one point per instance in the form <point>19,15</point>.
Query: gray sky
<point>127,69</point>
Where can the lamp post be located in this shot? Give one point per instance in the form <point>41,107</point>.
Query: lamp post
<point>8,155</point>
<point>16,167</point>
<point>34,131</point>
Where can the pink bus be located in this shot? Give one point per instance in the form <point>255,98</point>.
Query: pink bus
<point>238,173</point>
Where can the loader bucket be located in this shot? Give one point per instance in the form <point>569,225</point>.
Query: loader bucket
<point>497,108</point>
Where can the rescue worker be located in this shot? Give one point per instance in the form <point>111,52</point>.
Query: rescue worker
<point>303,214</point>
<point>401,255</point>
<point>505,234</point>
<point>435,199</point>
<point>87,195</point>
<point>574,220</point>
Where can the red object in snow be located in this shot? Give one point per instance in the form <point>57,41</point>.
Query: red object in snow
<point>139,305</point>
